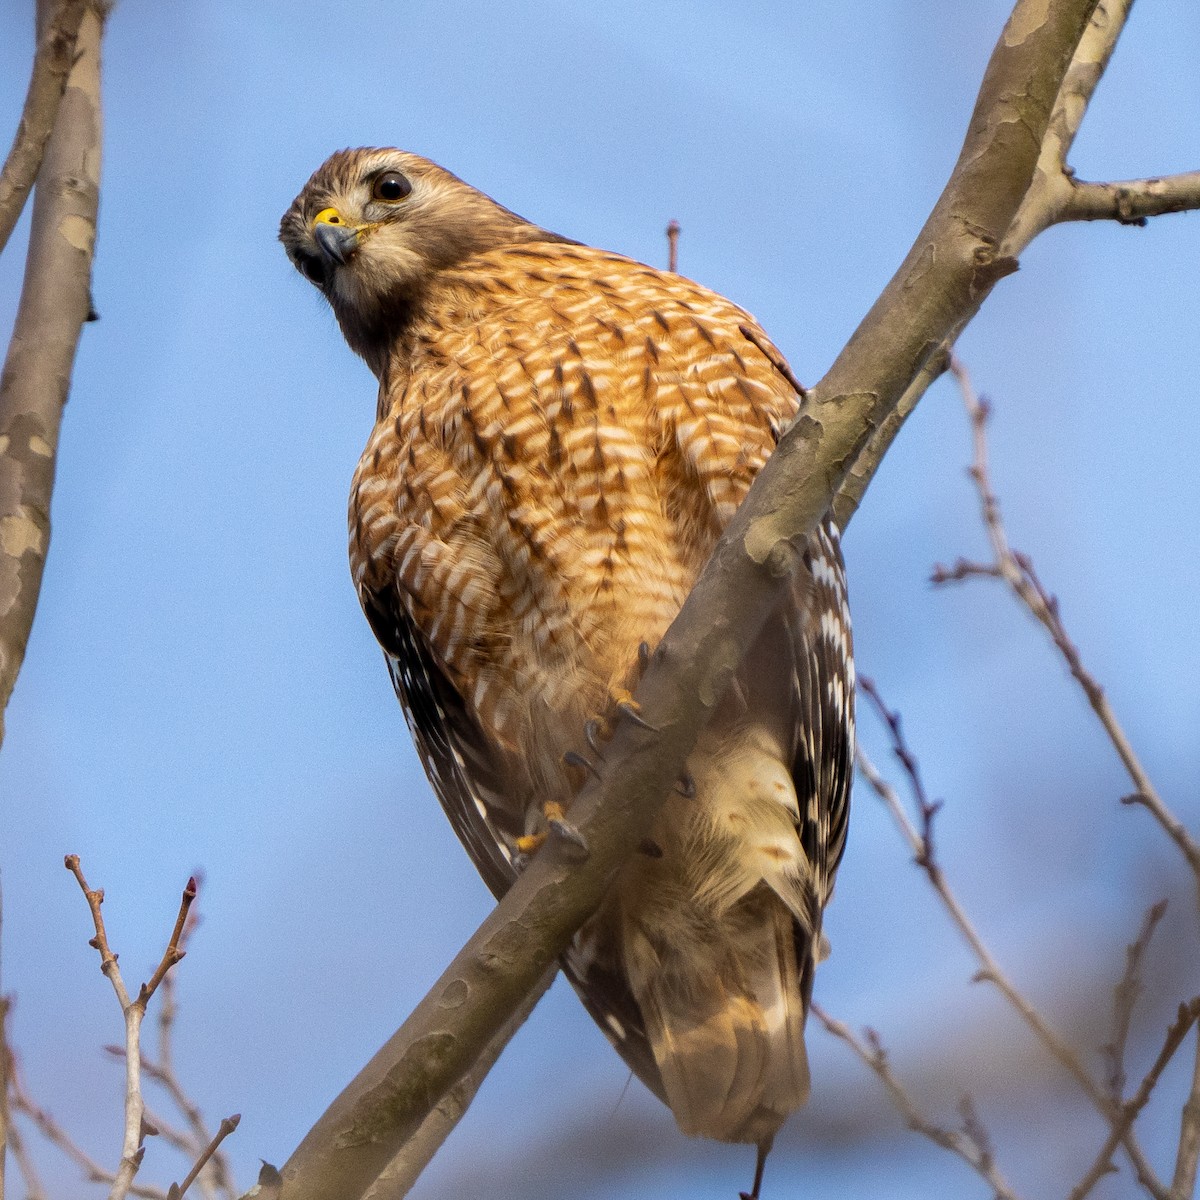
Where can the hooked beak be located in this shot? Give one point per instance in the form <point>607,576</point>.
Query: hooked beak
<point>336,240</point>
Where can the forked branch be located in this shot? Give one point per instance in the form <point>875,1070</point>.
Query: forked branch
<point>51,65</point>
<point>133,1011</point>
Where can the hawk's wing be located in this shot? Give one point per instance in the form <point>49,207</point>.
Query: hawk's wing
<point>463,767</point>
<point>462,764</point>
<point>817,632</point>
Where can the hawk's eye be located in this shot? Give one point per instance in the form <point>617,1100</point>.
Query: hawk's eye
<point>391,185</point>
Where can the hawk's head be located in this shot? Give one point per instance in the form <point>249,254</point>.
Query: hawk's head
<point>372,229</point>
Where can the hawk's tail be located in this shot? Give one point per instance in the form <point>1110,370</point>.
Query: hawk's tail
<point>726,1024</point>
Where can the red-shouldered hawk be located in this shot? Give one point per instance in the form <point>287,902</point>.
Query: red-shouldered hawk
<point>562,435</point>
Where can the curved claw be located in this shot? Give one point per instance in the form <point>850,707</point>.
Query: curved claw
<point>630,709</point>
<point>572,759</point>
<point>591,732</point>
<point>567,832</point>
<point>643,656</point>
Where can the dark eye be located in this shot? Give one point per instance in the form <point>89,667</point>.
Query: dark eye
<point>312,267</point>
<point>391,185</point>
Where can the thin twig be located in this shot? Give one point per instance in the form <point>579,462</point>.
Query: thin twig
<point>1183,1186</point>
<point>219,1170</point>
<point>673,230</point>
<point>228,1125</point>
<point>971,1143</point>
<point>132,1149</point>
<point>172,1135</point>
<point>174,952</point>
<point>920,839</point>
<point>34,1188</point>
<point>1128,1110</point>
<point>54,1133</point>
<point>1125,997</point>
<point>1017,570</point>
<point>197,1135</point>
<point>95,900</point>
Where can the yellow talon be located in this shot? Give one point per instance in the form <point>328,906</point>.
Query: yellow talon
<point>529,842</point>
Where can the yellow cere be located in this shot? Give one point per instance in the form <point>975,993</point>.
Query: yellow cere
<point>328,216</point>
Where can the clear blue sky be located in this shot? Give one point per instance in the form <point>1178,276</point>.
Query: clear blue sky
<point>201,690</point>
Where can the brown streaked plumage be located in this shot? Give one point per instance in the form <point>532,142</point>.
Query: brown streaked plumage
<point>562,435</point>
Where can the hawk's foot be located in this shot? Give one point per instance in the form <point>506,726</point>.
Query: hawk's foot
<point>556,823</point>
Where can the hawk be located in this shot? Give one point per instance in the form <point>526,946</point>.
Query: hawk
<point>562,434</point>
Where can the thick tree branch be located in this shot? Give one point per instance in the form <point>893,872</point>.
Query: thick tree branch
<point>1057,195</point>
<point>5,1069</point>
<point>51,65</point>
<point>1050,190</point>
<point>55,302</point>
<point>402,1172</point>
<point>1053,196</point>
<point>945,278</point>
<point>1132,201</point>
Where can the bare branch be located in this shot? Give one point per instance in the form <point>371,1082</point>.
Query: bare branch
<point>133,1011</point>
<point>1125,997</point>
<point>1016,569</point>
<point>990,970</point>
<point>5,1068</point>
<point>1057,195</point>
<point>55,303</point>
<point>228,1125</point>
<point>54,1133</point>
<point>1053,195</point>
<point>218,1175</point>
<point>971,1143</point>
<point>34,1188</point>
<point>1128,1110</point>
<point>941,284</point>
<point>1184,1185</point>
<point>1132,201</point>
<point>95,899</point>
<point>1051,188</point>
<point>51,65</point>
<point>173,952</point>
<point>673,231</point>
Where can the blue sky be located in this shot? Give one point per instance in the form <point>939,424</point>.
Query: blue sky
<point>201,690</point>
